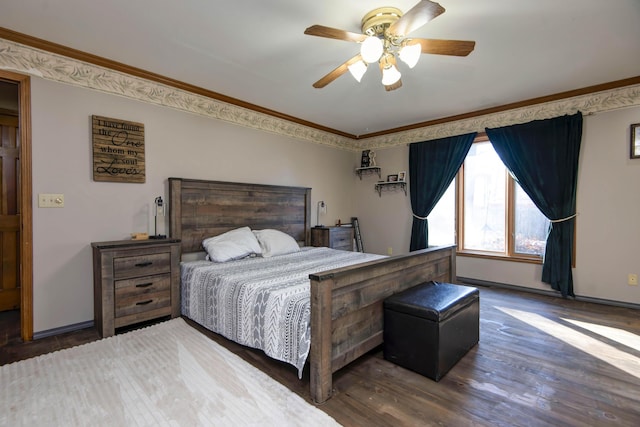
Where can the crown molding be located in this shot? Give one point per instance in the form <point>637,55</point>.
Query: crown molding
<point>59,68</point>
<point>56,67</point>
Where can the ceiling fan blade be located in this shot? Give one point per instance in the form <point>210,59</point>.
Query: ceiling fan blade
<point>416,17</point>
<point>446,47</point>
<point>340,70</point>
<point>334,33</point>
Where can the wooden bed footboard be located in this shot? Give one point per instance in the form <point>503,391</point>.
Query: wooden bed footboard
<point>347,307</point>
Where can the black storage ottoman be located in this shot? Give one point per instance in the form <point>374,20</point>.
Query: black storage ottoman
<point>428,328</point>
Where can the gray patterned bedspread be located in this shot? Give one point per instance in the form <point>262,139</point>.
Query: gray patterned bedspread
<point>259,302</point>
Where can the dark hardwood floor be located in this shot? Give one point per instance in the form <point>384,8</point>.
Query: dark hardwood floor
<point>13,349</point>
<point>541,361</point>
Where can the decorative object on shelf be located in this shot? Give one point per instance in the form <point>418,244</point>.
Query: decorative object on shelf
<point>159,212</point>
<point>364,160</point>
<point>392,178</point>
<point>322,209</point>
<point>118,150</point>
<point>635,141</point>
<point>391,186</point>
<point>402,176</point>
<point>372,158</point>
<point>384,40</point>
<point>368,170</point>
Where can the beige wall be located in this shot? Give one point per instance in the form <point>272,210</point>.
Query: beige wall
<point>185,145</point>
<point>608,205</point>
<point>177,144</point>
<point>385,220</point>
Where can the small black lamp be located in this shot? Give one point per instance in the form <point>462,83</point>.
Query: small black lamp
<point>322,208</point>
<point>159,212</point>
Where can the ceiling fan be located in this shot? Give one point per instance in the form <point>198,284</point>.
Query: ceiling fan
<point>384,37</point>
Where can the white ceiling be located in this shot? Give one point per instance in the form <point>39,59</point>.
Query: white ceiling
<point>255,51</point>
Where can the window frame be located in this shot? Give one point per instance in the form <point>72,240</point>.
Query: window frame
<point>510,254</point>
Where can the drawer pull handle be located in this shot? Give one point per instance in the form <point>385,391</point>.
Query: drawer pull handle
<point>144,264</point>
<point>144,285</point>
<point>144,302</point>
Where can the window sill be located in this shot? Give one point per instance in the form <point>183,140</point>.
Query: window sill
<point>493,256</point>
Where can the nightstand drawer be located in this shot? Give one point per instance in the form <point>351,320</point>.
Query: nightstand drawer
<point>142,285</point>
<point>342,239</point>
<point>142,294</point>
<point>141,265</point>
<point>333,237</point>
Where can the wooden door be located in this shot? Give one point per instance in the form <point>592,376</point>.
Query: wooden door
<point>9,213</point>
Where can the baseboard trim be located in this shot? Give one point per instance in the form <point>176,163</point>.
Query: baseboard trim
<point>63,329</point>
<point>552,293</point>
<point>464,280</point>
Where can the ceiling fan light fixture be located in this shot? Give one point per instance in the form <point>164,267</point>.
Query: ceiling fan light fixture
<point>410,54</point>
<point>371,49</point>
<point>357,70</point>
<point>390,75</point>
<point>385,38</point>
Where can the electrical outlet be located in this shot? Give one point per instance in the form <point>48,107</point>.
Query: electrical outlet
<point>47,200</point>
<point>632,279</point>
<point>389,250</point>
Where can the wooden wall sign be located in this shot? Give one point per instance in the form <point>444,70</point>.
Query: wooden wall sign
<point>118,150</point>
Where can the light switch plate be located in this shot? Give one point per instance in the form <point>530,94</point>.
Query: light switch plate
<point>50,200</point>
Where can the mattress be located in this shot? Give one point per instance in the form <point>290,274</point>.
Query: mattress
<point>260,302</point>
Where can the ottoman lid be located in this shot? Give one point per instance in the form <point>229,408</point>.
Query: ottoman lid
<point>433,300</point>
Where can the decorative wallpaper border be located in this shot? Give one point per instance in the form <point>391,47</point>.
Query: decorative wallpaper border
<point>28,60</point>
<point>598,102</point>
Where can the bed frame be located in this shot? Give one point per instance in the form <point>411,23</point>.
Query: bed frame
<point>346,303</point>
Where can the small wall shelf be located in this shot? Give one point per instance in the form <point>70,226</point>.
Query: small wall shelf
<point>391,186</point>
<point>368,171</point>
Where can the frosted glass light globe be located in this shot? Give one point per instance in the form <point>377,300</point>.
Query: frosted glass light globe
<point>371,49</point>
<point>357,70</point>
<point>409,54</point>
<point>390,75</point>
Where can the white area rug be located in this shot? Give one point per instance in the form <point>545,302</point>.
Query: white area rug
<point>168,374</point>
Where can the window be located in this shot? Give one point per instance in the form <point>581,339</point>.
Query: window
<point>442,219</point>
<point>495,217</point>
<point>484,209</point>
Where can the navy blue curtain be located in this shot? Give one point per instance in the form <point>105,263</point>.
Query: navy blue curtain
<point>543,156</point>
<point>432,167</point>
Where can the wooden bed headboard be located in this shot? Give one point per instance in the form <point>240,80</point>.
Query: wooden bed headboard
<point>199,209</point>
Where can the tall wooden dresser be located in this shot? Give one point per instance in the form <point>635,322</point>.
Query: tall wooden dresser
<point>135,281</point>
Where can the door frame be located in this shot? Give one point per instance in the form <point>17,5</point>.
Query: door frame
<point>26,208</point>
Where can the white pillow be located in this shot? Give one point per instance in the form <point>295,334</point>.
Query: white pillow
<point>274,242</point>
<point>234,244</point>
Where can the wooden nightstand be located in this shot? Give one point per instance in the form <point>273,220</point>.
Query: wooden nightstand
<point>333,237</point>
<point>135,281</point>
